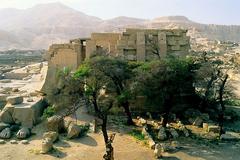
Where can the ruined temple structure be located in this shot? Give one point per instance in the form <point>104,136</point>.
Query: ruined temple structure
<point>133,45</point>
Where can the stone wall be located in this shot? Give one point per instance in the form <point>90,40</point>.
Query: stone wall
<point>133,45</point>
<point>106,41</point>
<point>138,44</point>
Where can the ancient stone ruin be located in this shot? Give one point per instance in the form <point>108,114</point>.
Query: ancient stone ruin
<point>133,45</point>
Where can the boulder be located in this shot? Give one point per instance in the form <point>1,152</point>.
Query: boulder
<point>13,142</point>
<point>230,136</point>
<point>145,131</point>
<point>15,90</point>
<point>158,151</point>
<point>13,100</point>
<point>6,114</point>
<point>166,147</point>
<point>3,126</point>
<point>151,142</point>
<point>198,122</point>
<point>185,131</point>
<point>47,146</point>
<point>23,133</point>
<point>6,133</point>
<point>52,136</point>
<point>162,134</point>
<point>67,123</point>
<point>141,121</point>
<point>55,123</point>
<point>73,131</point>
<point>24,142</point>
<point>214,128</point>
<point>174,133</point>
<point>2,141</point>
<point>205,127</point>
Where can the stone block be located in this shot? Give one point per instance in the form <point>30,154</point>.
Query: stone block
<point>52,136</point>
<point>175,48</point>
<point>214,128</point>
<point>28,113</point>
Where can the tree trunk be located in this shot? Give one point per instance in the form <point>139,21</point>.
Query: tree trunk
<point>128,113</point>
<point>223,108</point>
<point>108,143</point>
<point>167,108</point>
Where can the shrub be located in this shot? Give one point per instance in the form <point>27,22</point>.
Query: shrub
<point>49,112</point>
<point>137,135</point>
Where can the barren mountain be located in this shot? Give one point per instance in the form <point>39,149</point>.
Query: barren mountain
<point>44,24</point>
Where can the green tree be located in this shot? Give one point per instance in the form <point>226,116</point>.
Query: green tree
<point>164,81</point>
<point>95,83</point>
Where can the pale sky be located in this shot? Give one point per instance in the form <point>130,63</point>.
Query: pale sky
<point>204,11</point>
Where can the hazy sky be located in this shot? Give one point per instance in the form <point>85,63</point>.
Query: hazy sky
<point>204,11</point>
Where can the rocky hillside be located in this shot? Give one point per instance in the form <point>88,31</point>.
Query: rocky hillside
<point>42,25</point>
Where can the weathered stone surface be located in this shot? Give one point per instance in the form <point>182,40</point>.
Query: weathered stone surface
<point>3,97</point>
<point>151,142</point>
<point>24,142</point>
<point>47,146</point>
<point>185,131</point>
<point>158,151</point>
<point>5,81</point>
<point>23,133</point>
<point>166,147</point>
<point>230,136</point>
<point>15,90</point>
<point>30,100</point>
<point>2,141</point>
<point>145,131</point>
<point>162,134</point>
<point>205,127</point>
<point>6,133</point>
<point>174,133</point>
<point>52,136</point>
<point>55,123</point>
<point>198,122</point>
<point>67,123</point>
<point>214,129</point>
<point>13,142</point>
<point>3,126</point>
<point>29,113</point>
<point>142,121</point>
<point>6,114</point>
<point>13,100</point>
<point>73,131</point>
